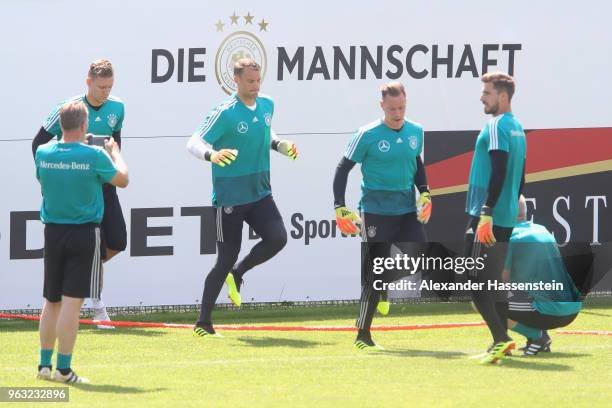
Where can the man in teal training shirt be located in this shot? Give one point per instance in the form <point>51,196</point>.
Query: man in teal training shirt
<point>388,150</point>
<point>533,257</point>
<point>495,183</point>
<point>106,115</point>
<point>236,137</point>
<point>71,174</point>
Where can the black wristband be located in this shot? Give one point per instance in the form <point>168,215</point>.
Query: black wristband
<point>207,155</point>
<point>274,144</point>
<point>423,189</point>
<point>488,211</point>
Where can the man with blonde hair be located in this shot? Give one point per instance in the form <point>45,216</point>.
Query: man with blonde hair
<point>106,114</point>
<point>71,175</point>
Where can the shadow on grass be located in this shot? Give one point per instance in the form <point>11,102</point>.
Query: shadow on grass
<point>280,342</point>
<point>422,353</point>
<point>530,363</point>
<point>556,355</point>
<point>115,389</point>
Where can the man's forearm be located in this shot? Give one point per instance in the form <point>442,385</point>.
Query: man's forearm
<point>274,140</point>
<point>499,162</point>
<point>119,162</point>
<point>340,181</point>
<point>420,177</point>
<point>198,148</point>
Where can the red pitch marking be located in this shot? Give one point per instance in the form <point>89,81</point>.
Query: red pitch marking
<point>260,328</point>
<point>588,332</point>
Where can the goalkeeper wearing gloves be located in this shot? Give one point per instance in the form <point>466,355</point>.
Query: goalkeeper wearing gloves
<point>389,152</point>
<point>495,183</point>
<point>237,138</point>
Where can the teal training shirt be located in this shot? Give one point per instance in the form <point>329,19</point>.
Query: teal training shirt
<point>388,165</point>
<point>108,118</point>
<point>71,177</point>
<point>232,125</point>
<point>503,132</point>
<point>533,256</point>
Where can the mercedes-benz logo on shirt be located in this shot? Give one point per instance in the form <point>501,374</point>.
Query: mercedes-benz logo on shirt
<point>384,146</point>
<point>242,127</point>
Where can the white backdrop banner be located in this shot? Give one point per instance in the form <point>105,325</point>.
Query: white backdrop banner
<point>323,65</point>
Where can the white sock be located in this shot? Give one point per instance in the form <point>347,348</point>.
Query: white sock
<point>97,304</point>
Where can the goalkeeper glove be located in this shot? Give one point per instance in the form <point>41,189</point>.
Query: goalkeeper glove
<point>224,157</point>
<point>287,148</point>
<point>484,232</point>
<point>424,207</point>
<point>345,219</point>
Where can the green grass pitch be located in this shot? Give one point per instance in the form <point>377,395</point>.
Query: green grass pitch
<point>170,368</point>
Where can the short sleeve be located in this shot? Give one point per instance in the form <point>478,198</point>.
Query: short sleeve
<point>269,109</point>
<point>270,102</point>
<point>52,122</point>
<point>36,161</point>
<point>420,141</point>
<point>213,127</point>
<point>357,148</point>
<point>119,123</point>
<point>499,135</point>
<point>105,168</point>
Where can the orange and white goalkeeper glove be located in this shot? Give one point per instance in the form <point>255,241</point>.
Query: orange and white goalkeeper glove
<point>424,207</point>
<point>484,231</point>
<point>346,219</point>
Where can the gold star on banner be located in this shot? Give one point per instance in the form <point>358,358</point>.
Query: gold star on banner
<point>219,26</point>
<point>248,19</point>
<point>263,26</point>
<point>234,18</point>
